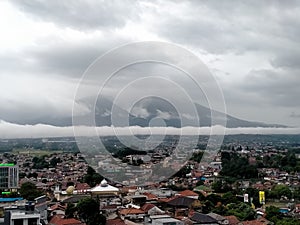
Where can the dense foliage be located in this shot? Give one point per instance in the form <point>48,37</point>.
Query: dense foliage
<point>280,191</point>
<point>70,210</point>
<point>287,162</point>
<point>88,211</point>
<point>92,178</point>
<point>39,163</point>
<point>29,191</point>
<point>237,166</point>
<point>274,215</point>
<point>227,204</point>
<point>128,151</point>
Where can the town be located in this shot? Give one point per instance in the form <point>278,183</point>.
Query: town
<point>254,179</point>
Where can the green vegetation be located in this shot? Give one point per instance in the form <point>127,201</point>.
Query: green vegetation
<point>92,178</point>
<point>88,211</point>
<point>275,216</point>
<point>241,210</point>
<point>183,171</point>
<point>54,161</point>
<point>226,205</point>
<point>29,191</point>
<point>221,186</point>
<point>279,191</point>
<point>237,166</point>
<point>70,210</point>
<point>39,163</point>
<point>128,151</point>
<point>197,156</point>
<point>287,162</point>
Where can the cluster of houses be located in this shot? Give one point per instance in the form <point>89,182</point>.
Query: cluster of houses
<point>128,206</point>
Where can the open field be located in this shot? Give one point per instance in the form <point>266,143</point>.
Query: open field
<point>35,152</point>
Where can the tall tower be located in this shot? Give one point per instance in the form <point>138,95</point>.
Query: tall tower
<point>9,176</point>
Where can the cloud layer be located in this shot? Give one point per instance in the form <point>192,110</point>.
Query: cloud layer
<point>252,47</point>
<point>9,130</point>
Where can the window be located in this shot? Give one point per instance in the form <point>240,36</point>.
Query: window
<point>32,221</point>
<point>18,222</point>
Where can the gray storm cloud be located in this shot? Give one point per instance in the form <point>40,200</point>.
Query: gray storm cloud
<point>252,47</point>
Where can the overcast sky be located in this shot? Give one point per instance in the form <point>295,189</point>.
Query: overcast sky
<point>252,47</point>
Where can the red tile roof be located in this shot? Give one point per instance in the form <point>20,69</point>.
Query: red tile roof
<point>146,207</point>
<point>131,211</point>
<point>117,221</point>
<point>167,199</point>
<point>60,220</point>
<point>188,193</point>
<point>150,196</point>
<point>253,222</point>
<point>82,186</point>
<point>109,207</point>
<point>232,220</point>
<point>58,206</point>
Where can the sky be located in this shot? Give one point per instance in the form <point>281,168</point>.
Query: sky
<point>251,47</point>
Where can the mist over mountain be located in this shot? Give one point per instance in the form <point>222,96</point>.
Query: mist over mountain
<point>158,108</point>
<point>148,112</point>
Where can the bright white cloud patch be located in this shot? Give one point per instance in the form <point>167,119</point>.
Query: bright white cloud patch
<point>9,130</point>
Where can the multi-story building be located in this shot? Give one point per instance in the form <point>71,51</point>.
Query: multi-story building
<point>18,215</point>
<point>9,176</point>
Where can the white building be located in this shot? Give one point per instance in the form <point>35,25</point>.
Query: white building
<point>104,189</point>
<point>166,221</point>
<point>21,218</point>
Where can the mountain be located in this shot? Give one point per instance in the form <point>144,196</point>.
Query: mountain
<point>144,113</point>
<point>157,107</point>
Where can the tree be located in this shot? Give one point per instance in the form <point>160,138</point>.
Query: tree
<point>29,191</point>
<point>70,183</point>
<point>54,161</point>
<point>273,214</point>
<point>241,210</point>
<point>254,193</point>
<point>229,197</point>
<point>207,206</point>
<point>99,219</point>
<point>39,163</point>
<point>183,171</point>
<point>221,186</point>
<point>281,190</point>
<point>88,211</point>
<point>214,198</point>
<point>92,178</point>
<point>238,167</point>
<point>22,175</point>
<point>297,193</point>
<point>44,180</point>
<point>197,156</point>
<point>70,210</point>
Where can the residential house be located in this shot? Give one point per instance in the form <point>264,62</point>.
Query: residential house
<point>189,194</point>
<point>61,220</point>
<point>221,219</point>
<point>151,209</point>
<point>200,218</point>
<point>132,214</point>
